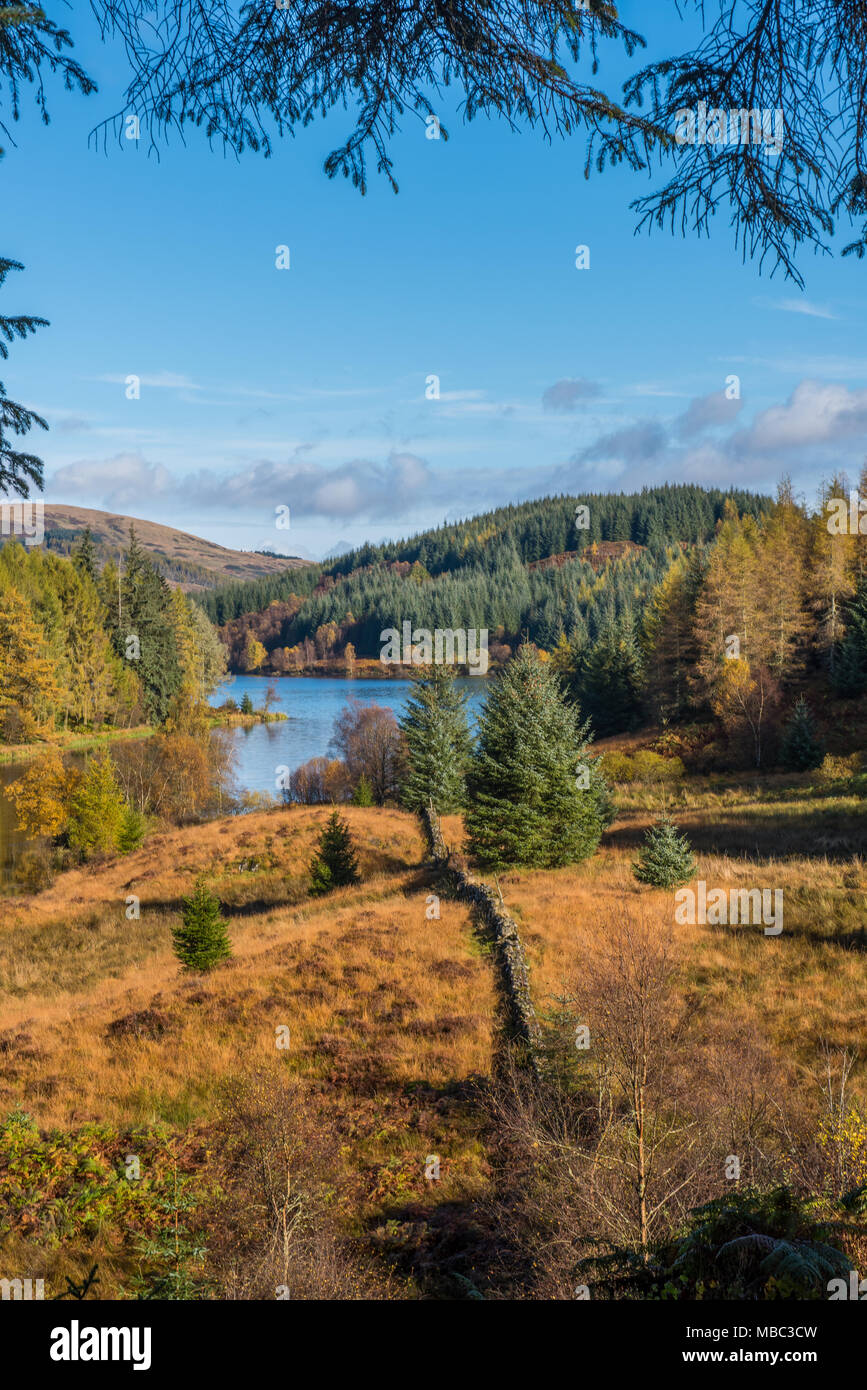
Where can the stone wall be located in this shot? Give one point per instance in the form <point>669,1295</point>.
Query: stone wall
<point>513,977</point>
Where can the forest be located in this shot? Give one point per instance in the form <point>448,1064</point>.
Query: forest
<point>672,606</point>
<point>490,571</point>
<point>82,648</point>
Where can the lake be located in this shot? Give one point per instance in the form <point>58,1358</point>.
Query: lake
<point>312,703</point>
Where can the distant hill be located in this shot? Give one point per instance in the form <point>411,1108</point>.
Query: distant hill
<point>187,561</point>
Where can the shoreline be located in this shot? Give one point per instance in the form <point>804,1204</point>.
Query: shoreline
<point>86,742</point>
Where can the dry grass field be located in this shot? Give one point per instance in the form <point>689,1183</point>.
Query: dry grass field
<point>388,1016</point>
<point>361,1028</point>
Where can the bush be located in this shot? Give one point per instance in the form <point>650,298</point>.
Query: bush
<point>651,767</point>
<point>833,769</point>
<point>618,767</point>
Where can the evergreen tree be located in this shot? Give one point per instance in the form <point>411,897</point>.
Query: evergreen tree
<point>335,865</point>
<point>246,703</point>
<point>850,668</point>
<point>131,833</point>
<point>609,679</point>
<point>438,741</point>
<point>148,616</point>
<point>201,941</point>
<point>534,796</point>
<point>17,471</point>
<point>801,747</point>
<point>665,859</point>
<point>363,793</point>
<point>84,555</point>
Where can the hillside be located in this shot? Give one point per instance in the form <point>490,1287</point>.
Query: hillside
<point>547,568</point>
<point>189,562</point>
<point>387,1021</point>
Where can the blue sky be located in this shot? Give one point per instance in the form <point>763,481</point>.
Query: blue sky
<point>305,387</point>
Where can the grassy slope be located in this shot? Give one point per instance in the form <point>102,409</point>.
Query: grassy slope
<point>391,1014</point>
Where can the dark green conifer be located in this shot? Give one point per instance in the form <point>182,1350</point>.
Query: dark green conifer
<point>201,941</point>
<point>335,864</point>
<point>534,795</point>
<point>17,471</point>
<point>801,747</point>
<point>665,860</point>
<point>438,742</point>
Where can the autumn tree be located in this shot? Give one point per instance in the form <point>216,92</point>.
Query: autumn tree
<point>832,577</point>
<point>370,742</point>
<point>668,640</point>
<point>97,808</point>
<point>41,795</point>
<point>254,654</point>
<point>29,689</point>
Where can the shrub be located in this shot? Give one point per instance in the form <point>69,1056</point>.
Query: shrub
<point>651,767</point>
<point>618,767</point>
<point>833,769</point>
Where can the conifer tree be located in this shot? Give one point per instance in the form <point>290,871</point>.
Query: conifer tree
<point>850,668</point>
<point>335,865</point>
<point>17,471</point>
<point>534,795</point>
<point>801,747</point>
<point>202,940</point>
<point>246,703</point>
<point>131,833</point>
<point>84,554</point>
<point>146,613</point>
<point>609,678</point>
<point>438,742</point>
<point>665,859</point>
<point>668,645</point>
